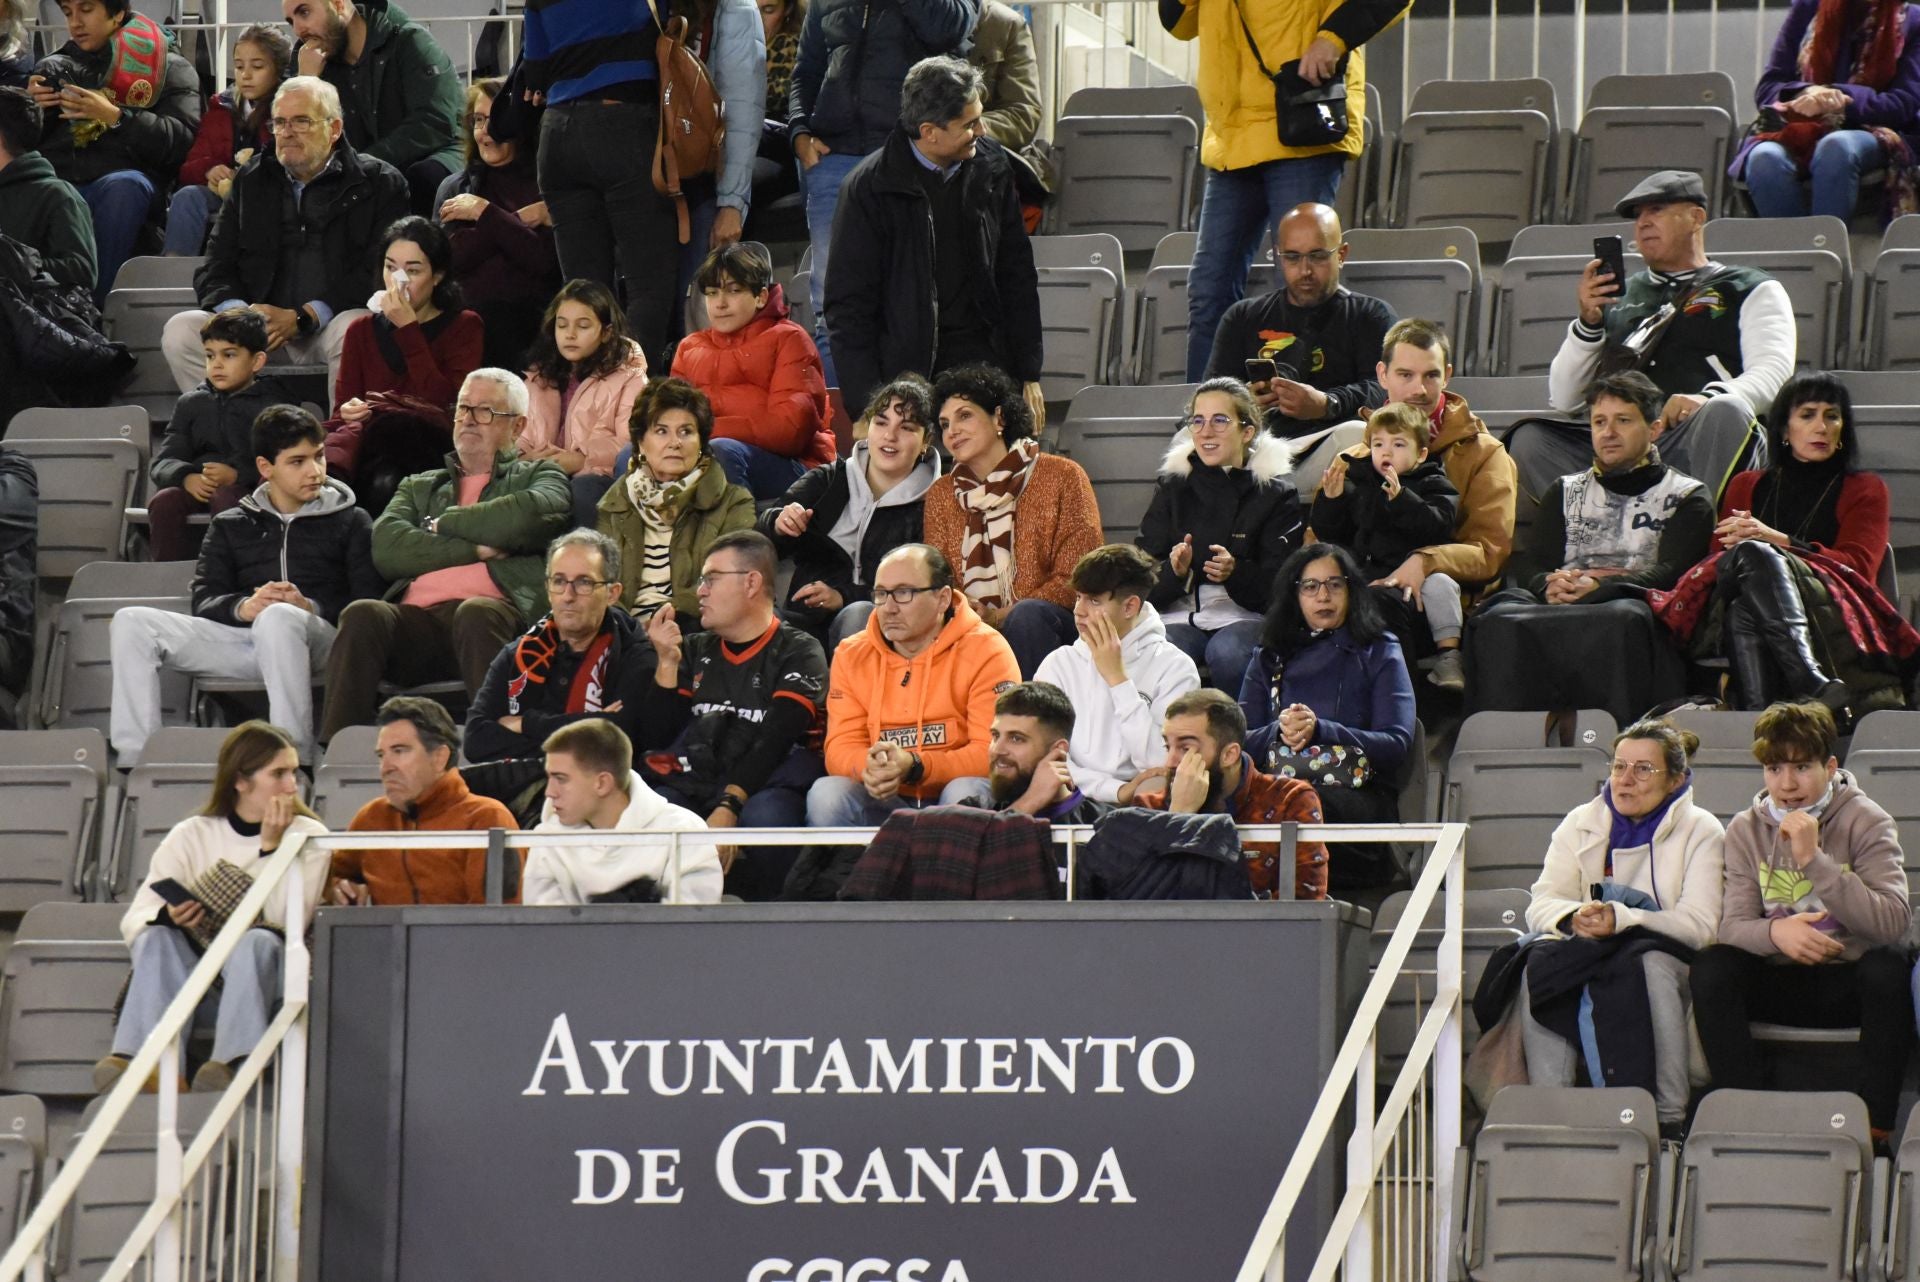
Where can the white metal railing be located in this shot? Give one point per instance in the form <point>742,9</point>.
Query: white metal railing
<point>1391,1222</point>
<point>227,1204</point>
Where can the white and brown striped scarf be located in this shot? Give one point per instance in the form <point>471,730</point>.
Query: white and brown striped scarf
<point>986,548</point>
<point>659,504</point>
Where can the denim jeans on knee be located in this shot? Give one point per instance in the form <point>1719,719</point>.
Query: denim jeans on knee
<point>1238,209</point>
<point>120,203</point>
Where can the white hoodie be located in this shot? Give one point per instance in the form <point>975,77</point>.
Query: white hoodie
<point>563,875</point>
<point>1116,729</point>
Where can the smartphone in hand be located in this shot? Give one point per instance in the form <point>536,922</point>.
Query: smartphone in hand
<point>1261,370</point>
<point>173,892</point>
<point>1612,253</point>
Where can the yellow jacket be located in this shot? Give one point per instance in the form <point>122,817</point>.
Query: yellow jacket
<point>1241,127</point>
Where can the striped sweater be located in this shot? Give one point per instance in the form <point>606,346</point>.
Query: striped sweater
<point>584,48</point>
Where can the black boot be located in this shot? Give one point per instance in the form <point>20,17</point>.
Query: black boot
<point>1746,651</point>
<point>1771,603</point>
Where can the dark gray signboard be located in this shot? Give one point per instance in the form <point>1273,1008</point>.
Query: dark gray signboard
<point>850,1094</point>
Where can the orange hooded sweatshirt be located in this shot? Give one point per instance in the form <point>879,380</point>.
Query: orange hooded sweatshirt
<point>938,704</point>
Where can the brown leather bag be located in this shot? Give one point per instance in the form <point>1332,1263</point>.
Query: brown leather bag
<point>691,124</point>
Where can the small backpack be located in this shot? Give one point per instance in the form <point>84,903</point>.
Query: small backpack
<point>691,124</point>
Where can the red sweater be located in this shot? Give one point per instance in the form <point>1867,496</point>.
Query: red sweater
<point>765,382</point>
<point>214,143</point>
<point>435,367</point>
<point>1862,511</point>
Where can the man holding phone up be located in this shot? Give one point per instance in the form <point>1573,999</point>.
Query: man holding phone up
<point>1718,341</point>
<point>1308,348</point>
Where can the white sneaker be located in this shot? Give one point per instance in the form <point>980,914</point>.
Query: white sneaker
<point>1447,671</point>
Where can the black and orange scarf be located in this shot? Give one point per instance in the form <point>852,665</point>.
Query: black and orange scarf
<point>533,657</point>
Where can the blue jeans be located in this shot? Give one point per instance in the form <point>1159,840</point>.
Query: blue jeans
<point>1225,651</point>
<point>1238,209</point>
<point>822,187</point>
<point>1780,190</point>
<point>1034,629</point>
<point>836,801</point>
<point>240,1010</point>
<point>189,215</point>
<point>763,473</point>
<point>120,202</point>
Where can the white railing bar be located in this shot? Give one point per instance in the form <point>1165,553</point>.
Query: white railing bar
<point>1364,1152</point>
<point>212,1133</point>
<point>1350,1214</point>
<point>524,839</point>
<point>1448,1083</point>
<point>173,1023</point>
<point>1359,1031</point>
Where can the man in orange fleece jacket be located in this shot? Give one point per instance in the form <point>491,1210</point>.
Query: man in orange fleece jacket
<point>422,793</point>
<point>910,700</point>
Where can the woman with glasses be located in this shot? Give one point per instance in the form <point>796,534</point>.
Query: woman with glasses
<point>502,235</point>
<point>1013,522</point>
<point>583,378</point>
<point>233,130</point>
<point>838,520</point>
<point>1789,592</point>
<point>1224,515</point>
<point>667,509</point>
<point>1328,700</point>
<point>1630,891</point>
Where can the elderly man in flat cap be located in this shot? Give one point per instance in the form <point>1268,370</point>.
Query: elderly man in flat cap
<point>1718,341</point>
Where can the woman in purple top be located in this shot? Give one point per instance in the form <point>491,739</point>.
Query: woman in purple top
<point>1839,101</point>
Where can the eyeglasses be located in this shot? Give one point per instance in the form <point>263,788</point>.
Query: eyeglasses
<point>709,579</point>
<point>1641,770</point>
<point>481,414</point>
<point>899,596</point>
<point>561,586</point>
<point>291,124</point>
<point>1318,257</point>
<point>1218,423</point>
<point>1313,587</point>
<point>475,119</point>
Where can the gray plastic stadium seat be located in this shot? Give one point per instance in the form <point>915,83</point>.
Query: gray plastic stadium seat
<point>23,1145</point>
<point>1719,731</point>
<point>1500,731</point>
<point>1889,728</point>
<point>1492,919</point>
<point>1902,233</point>
<point>348,777</point>
<point>144,580</point>
<point>1119,435</point>
<point>1131,176</point>
<point>1779,235</point>
<point>157,796</point>
<point>1136,100</point>
<point>1892,338</point>
<point>1534,304</point>
<point>1612,147</point>
<point>84,423</point>
<point>1502,401</point>
<point>1514,799</point>
<point>800,300</point>
<point>1548,240</point>
<point>1436,289</point>
<point>1818,281</point>
<point>1891,776</point>
<point>62,978</point>
<point>156,272</point>
<point>85,490</point>
<point>1509,93</point>
<point>119,1186</point>
<point>1774,1186</point>
<point>136,317</point>
<point>1564,1183</point>
<point>1083,312</point>
<point>1895,456</point>
<point>1725,781</point>
<point>1370,244</point>
<point>1885,387</point>
<point>1900,1260</point>
<point>50,809</point>
<point>78,690</point>
<point>1669,89</point>
<point>1491,171</point>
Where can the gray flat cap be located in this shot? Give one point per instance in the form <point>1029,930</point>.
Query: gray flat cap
<point>1664,188</point>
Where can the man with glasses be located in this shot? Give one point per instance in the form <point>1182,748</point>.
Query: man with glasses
<point>910,705</point>
<point>1308,349</point>
<point>580,659</point>
<point>298,239</point>
<point>733,713</point>
<point>937,192</point>
<point>466,548</point>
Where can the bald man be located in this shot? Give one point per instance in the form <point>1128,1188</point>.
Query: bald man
<point>1322,338</point>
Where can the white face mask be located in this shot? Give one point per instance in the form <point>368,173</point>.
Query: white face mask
<point>1777,812</point>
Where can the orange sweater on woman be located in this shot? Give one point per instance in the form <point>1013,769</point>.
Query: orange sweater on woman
<point>1056,522</point>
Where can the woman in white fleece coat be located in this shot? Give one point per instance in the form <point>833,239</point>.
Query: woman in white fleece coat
<point>254,805</point>
<point>1655,858</point>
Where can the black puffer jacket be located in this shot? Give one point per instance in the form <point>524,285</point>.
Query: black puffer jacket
<point>853,56</point>
<point>347,206</point>
<point>1253,512</point>
<point>210,426</point>
<point>19,537</point>
<point>895,519</point>
<point>153,139</point>
<point>1382,533</point>
<point>882,313</point>
<point>325,549</point>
